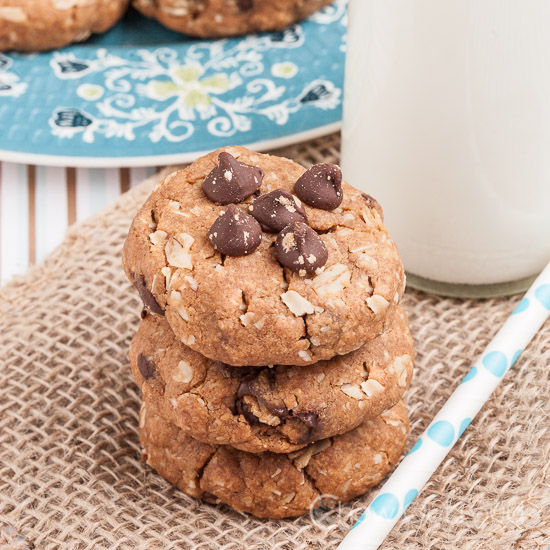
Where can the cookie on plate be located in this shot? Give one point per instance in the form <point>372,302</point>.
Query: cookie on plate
<point>278,409</point>
<point>276,485</point>
<point>220,18</point>
<point>39,25</point>
<point>256,261</point>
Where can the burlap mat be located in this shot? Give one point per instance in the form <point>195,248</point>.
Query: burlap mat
<point>70,470</point>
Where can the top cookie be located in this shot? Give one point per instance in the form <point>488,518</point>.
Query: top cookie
<point>219,18</point>
<point>47,24</point>
<point>249,310</point>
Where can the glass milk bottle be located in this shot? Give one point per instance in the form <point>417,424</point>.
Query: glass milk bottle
<point>447,124</point>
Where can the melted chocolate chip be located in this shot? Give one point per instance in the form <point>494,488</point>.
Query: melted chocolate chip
<point>276,210</point>
<point>147,297</point>
<point>373,203</point>
<point>235,233</point>
<point>321,186</point>
<point>231,181</point>
<point>146,367</point>
<point>258,385</point>
<point>240,372</point>
<point>280,411</point>
<point>265,383</point>
<point>244,409</point>
<point>244,389</point>
<point>245,5</point>
<point>311,420</point>
<point>299,248</point>
<point>144,313</point>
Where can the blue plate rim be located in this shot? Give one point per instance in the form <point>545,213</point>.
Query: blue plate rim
<point>160,160</point>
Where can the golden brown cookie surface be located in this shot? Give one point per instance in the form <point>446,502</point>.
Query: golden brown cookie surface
<point>276,485</point>
<point>37,25</point>
<point>250,310</point>
<point>278,409</point>
<point>220,18</point>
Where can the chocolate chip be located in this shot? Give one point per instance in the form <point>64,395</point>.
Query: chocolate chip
<point>147,297</point>
<point>239,372</point>
<point>245,5</point>
<point>146,367</point>
<point>310,419</point>
<point>280,411</point>
<point>235,233</point>
<point>231,181</point>
<point>209,497</point>
<point>257,386</point>
<point>277,209</point>
<point>321,186</point>
<point>244,409</point>
<point>299,248</point>
<point>144,313</point>
<point>373,203</point>
<point>245,387</point>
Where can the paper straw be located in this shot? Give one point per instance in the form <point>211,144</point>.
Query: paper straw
<point>433,445</point>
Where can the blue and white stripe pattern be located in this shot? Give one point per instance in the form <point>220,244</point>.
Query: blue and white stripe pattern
<point>452,420</point>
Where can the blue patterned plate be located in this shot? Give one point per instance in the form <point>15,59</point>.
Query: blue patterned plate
<point>143,95</point>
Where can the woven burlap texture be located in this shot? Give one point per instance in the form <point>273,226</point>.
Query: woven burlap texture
<point>70,469</point>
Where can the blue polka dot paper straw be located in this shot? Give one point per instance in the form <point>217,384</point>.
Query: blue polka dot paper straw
<point>449,424</point>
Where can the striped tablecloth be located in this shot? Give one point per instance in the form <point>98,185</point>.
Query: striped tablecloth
<point>38,204</point>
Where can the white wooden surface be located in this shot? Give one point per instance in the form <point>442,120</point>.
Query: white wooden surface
<point>38,204</point>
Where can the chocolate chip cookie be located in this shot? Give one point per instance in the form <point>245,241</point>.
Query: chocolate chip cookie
<point>220,18</point>
<point>279,409</point>
<point>276,485</point>
<point>38,25</point>
<point>207,251</point>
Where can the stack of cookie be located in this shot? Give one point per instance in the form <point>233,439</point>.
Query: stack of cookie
<point>272,352</point>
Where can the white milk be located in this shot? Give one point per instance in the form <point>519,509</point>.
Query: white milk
<point>447,124</point>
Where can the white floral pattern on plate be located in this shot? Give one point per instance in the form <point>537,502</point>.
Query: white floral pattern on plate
<point>127,101</point>
<point>10,84</point>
